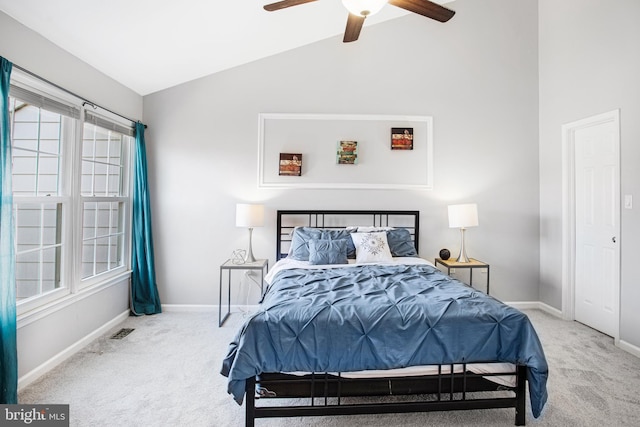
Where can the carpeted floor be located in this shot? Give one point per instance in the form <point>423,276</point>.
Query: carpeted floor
<point>166,373</point>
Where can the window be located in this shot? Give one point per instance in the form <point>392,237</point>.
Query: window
<point>104,154</point>
<point>39,203</point>
<point>71,196</point>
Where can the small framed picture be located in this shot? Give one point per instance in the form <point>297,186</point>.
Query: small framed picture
<point>347,152</point>
<point>402,138</point>
<point>290,164</point>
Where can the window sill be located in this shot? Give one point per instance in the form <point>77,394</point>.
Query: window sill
<point>47,309</point>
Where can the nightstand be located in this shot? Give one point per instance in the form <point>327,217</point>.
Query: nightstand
<point>262,265</point>
<point>471,265</point>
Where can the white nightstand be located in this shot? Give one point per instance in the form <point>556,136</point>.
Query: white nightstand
<point>262,265</point>
<point>471,265</point>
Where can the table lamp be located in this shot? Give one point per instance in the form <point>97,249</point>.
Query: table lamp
<point>463,216</point>
<point>249,216</point>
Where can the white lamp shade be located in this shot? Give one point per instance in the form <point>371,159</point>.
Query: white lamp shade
<point>364,7</point>
<point>249,215</point>
<point>463,216</point>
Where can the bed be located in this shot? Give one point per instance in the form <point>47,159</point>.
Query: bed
<point>386,332</point>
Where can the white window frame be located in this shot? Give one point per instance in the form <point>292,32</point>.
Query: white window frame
<point>35,301</point>
<point>125,198</point>
<point>71,284</point>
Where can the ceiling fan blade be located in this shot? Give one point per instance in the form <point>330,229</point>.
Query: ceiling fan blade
<point>354,25</point>
<point>425,8</point>
<point>284,4</point>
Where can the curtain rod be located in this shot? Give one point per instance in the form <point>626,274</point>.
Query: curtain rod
<point>86,101</point>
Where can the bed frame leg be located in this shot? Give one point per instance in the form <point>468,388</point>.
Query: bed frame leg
<point>521,395</point>
<point>250,402</point>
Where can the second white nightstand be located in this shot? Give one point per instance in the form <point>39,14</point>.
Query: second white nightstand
<point>261,264</point>
<point>471,265</point>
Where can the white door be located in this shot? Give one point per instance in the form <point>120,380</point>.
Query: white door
<point>597,222</point>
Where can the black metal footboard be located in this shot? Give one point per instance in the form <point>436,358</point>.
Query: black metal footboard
<point>325,394</point>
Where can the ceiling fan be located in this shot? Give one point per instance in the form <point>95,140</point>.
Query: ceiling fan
<point>360,9</point>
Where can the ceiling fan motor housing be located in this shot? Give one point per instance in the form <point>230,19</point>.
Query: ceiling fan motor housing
<point>364,8</point>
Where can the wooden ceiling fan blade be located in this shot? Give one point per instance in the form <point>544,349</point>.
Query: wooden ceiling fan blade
<point>425,8</point>
<point>354,25</point>
<point>284,4</point>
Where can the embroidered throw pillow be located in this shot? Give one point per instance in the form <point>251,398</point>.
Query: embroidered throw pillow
<point>371,247</point>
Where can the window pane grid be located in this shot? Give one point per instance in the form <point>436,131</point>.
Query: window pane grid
<point>103,237</point>
<point>38,248</point>
<point>36,138</point>
<point>102,162</point>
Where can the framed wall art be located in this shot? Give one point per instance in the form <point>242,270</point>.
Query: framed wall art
<point>402,138</point>
<point>290,164</point>
<point>347,152</point>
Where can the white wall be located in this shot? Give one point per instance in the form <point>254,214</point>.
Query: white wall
<point>42,338</point>
<point>589,64</point>
<point>476,75</point>
<point>30,50</point>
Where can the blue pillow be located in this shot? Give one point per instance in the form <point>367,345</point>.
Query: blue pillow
<point>302,235</point>
<point>327,251</point>
<point>400,242</point>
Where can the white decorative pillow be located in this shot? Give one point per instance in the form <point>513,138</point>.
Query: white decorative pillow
<point>371,247</point>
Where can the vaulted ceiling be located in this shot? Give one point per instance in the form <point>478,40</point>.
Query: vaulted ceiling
<point>150,45</point>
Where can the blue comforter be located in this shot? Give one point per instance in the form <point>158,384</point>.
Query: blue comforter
<point>380,317</point>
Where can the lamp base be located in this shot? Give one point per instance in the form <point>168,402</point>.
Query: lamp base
<point>250,258</point>
<point>462,258</point>
<point>463,253</point>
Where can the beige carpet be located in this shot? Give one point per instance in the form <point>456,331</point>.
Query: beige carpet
<point>166,373</point>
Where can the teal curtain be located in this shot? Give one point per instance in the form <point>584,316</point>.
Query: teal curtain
<point>144,291</point>
<point>8,350</point>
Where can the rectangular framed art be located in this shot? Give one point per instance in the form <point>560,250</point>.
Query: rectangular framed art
<point>402,138</point>
<point>347,152</point>
<point>290,164</point>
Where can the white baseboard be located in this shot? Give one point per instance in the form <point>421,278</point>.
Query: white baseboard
<point>188,308</point>
<point>536,305</point>
<point>36,373</point>
<point>205,308</point>
<point>629,348</point>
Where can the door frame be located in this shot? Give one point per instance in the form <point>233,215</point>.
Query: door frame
<point>569,211</point>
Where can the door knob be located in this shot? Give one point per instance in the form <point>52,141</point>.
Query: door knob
<point>613,239</point>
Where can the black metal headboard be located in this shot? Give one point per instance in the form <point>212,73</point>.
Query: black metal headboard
<point>287,220</point>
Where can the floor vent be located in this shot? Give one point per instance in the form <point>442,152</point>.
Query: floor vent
<point>121,333</point>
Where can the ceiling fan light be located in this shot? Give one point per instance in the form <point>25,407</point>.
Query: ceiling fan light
<point>364,7</point>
